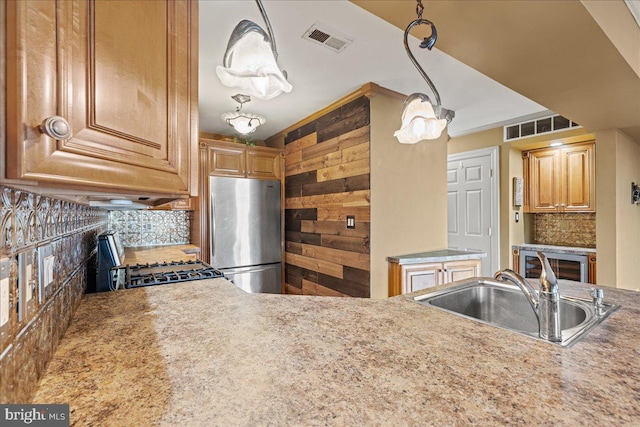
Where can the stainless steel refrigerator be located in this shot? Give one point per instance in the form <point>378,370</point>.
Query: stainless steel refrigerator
<point>245,232</point>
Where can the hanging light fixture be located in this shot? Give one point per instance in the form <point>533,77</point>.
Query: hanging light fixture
<point>250,61</point>
<point>243,123</point>
<point>420,118</point>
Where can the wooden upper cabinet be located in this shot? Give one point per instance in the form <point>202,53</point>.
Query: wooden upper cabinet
<point>545,174</point>
<point>562,179</point>
<point>578,186</point>
<point>124,76</point>
<point>226,160</point>
<point>264,163</point>
<point>231,159</point>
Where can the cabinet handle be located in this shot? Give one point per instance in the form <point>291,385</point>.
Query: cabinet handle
<point>56,127</point>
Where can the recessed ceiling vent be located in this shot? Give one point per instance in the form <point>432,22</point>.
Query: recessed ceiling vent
<point>327,37</point>
<point>547,124</point>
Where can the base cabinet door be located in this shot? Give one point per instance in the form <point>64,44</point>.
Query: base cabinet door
<point>407,278</point>
<point>459,270</point>
<point>123,75</point>
<point>421,276</point>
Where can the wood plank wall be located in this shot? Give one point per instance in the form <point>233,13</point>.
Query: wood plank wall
<point>326,179</point>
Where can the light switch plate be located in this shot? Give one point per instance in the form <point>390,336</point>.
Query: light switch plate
<point>27,284</point>
<point>45,270</point>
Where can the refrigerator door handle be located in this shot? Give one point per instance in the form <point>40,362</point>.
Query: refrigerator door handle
<point>212,224</point>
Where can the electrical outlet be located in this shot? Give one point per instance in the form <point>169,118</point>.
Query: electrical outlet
<point>5,303</point>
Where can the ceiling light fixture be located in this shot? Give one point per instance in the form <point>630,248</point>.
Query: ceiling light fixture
<point>243,123</point>
<point>250,61</point>
<point>420,118</point>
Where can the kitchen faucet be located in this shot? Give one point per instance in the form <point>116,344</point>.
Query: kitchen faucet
<point>546,304</point>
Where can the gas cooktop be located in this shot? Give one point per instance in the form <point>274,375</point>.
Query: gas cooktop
<point>135,276</point>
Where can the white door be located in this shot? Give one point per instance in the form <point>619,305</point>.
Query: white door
<point>473,204</point>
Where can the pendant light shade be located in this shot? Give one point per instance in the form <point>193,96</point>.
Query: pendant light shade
<point>250,61</point>
<point>420,118</point>
<point>419,121</point>
<point>243,123</point>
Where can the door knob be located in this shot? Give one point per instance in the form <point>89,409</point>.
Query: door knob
<point>56,127</point>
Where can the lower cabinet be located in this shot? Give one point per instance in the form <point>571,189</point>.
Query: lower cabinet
<point>407,278</point>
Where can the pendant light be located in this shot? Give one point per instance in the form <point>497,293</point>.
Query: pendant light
<point>243,123</point>
<point>420,118</point>
<point>250,61</point>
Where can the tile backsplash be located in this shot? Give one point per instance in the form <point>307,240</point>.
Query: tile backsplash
<point>69,231</point>
<point>565,229</point>
<point>151,228</point>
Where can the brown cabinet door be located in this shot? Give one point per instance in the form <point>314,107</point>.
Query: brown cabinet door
<point>544,178</point>
<point>561,179</point>
<point>459,270</point>
<point>263,163</point>
<point>578,192</point>
<point>123,74</point>
<point>226,161</point>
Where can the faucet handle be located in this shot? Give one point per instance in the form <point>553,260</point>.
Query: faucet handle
<point>548,280</point>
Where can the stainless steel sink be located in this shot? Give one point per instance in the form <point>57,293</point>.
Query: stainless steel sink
<point>505,306</point>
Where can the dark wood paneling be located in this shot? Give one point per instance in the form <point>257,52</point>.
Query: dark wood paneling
<point>302,131</point>
<point>301,178</point>
<point>292,275</point>
<point>327,178</point>
<point>295,274</point>
<point>353,183</point>
<point>298,214</point>
<point>351,244</point>
<point>298,237</point>
<point>293,184</point>
<point>292,225</point>
<point>356,275</point>
<point>346,287</point>
<point>293,248</point>
<point>336,228</point>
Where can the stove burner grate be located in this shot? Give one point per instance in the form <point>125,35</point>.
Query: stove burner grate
<point>139,275</point>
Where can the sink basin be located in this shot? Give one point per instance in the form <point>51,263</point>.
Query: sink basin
<point>505,306</point>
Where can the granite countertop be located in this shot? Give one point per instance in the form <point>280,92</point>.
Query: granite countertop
<point>442,255</point>
<point>561,249</point>
<point>204,353</point>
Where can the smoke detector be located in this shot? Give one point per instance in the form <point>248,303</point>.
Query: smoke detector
<point>327,37</point>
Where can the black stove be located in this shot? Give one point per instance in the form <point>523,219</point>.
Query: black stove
<point>139,275</point>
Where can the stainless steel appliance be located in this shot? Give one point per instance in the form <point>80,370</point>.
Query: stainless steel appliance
<point>565,266</point>
<point>113,274</point>
<point>245,232</point>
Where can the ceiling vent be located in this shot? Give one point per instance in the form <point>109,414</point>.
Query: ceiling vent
<point>543,125</point>
<point>327,37</point>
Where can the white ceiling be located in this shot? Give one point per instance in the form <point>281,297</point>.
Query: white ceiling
<point>320,76</point>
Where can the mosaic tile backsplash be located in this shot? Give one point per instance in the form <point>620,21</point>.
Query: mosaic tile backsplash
<point>565,229</point>
<point>151,228</point>
<point>29,338</point>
